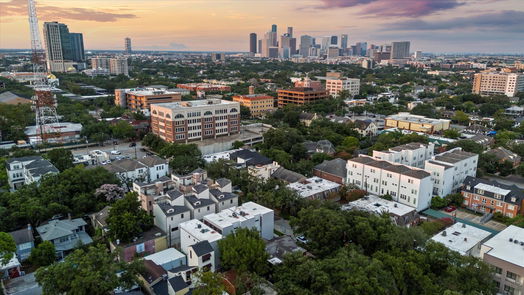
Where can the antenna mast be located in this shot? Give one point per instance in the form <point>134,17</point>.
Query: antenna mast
<point>44,101</point>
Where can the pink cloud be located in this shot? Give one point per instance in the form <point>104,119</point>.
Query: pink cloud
<point>19,8</point>
<point>408,8</point>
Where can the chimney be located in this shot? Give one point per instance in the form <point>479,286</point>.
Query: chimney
<point>444,233</point>
<point>251,90</point>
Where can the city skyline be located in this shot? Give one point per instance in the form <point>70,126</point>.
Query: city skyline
<point>487,26</point>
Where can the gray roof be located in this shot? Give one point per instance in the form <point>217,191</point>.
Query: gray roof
<point>124,165</point>
<point>335,167</point>
<point>101,216</point>
<point>8,97</point>
<point>324,146</point>
<point>402,169</point>
<point>41,167</point>
<point>279,247</point>
<point>177,283</point>
<point>151,161</point>
<point>202,248</point>
<point>454,156</point>
<point>174,194</point>
<point>219,195</point>
<point>22,236</point>
<point>223,182</point>
<point>194,202</point>
<point>200,188</point>
<point>408,146</point>
<point>504,154</point>
<point>24,159</point>
<point>172,210</point>
<point>287,175</point>
<point>55,229</point>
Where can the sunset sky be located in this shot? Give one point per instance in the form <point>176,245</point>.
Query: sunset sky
<point>490,26</point>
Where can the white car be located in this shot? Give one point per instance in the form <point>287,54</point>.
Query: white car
<point>115,152</point>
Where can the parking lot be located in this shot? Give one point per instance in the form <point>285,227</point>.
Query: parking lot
<point>123,148</point>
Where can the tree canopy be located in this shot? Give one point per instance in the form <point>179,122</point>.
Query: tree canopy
<point>244,250</point>
<point>127,219</point>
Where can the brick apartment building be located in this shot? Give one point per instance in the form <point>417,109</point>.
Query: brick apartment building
<point>490,197</point>
<point>140,99</point>
<point>300,96</point>
<point>195,120</point>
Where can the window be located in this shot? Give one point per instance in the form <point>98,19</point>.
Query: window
<point>498,270</point>
<point>509,290</point>
<point>511,275</point>
<point>174,228</point>
<point>182,215</point>
<point>206,257</point>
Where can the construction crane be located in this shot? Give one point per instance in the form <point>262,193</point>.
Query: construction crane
<point>44,101</point>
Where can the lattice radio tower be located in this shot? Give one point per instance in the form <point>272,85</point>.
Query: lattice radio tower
<point>44,101</point>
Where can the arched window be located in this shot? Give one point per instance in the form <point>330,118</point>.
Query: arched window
<point>168,116</point>
<point>179,116</point>
<point>208,113</point>
<point>233,110</point>
<point>154,112</point>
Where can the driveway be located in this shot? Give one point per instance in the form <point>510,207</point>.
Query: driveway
<point>283,226</point>
<point>25,285</point>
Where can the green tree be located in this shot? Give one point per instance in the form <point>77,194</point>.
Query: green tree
<point>7,247</point>
<point>438,202</point>
<point>89,271</point>
<point>238,144</point>
<point>451,133</point>
<point>245,113</point>
<point>467,145</point>
<point>209,283</point>
<point>127,219</point>
<point>123,130</point>
<point>61,158</point>
<point>244,250</point>
<point>43,254</point>
<point>461,118</point>
<point>426,110</point>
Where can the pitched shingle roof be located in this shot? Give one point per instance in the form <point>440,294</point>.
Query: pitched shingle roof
<point>335,167</point>
<point>202,248</point>
<point>22,236</point>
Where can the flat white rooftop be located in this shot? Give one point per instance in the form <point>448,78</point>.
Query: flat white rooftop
<point>219,156</point>
<point>224,218</point>
<point>251,208</point>
<point>200,231</point>
<point>505,249</point>
<point>492,189</point>
<point>150,91</point>
<point>461,237</point>
<point>165,256</point>
<point>59,127</point>
<point>416,118</point>
<point>313,186</point>
<point>378,205</point>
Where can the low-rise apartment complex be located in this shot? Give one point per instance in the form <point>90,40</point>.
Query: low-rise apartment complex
<point>141,99</point>
<point>490,197</point>
<point>195,120</point>
<point>259,105</point>
<point>406,185</point>
<point>410,154</point>
<point>300,96</point>
<point>498,83</point>
<point>407,121</point>
<point>450,169</point>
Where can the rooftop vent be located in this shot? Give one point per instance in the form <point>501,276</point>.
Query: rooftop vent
<point>463,225</point>
<point>515,241</point>
<point>199,226</point>
<point>510,240</point>
<point>444,233</point>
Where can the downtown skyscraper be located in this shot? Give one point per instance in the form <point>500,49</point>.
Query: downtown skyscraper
<point>127,46</point>
<point>64,50</point>
<point>400,50</point>
<point>253,43</point>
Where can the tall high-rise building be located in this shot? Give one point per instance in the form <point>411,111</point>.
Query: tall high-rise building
<point>274,28</point>
<point>334,41</point>
<point>290,31</point>
<point>64,50</point>
<point>306,42</point>
<point>118,66</point>
<point>360,49</point>
<point>127,44</point>
<point>253,43</point>
<point>344,41</point>
<point>400,50</point>
<point>77,46</point>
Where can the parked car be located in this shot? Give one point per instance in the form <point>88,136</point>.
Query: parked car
<point>450,209</point>
<point>115,152</point>
<point>302,239</point>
